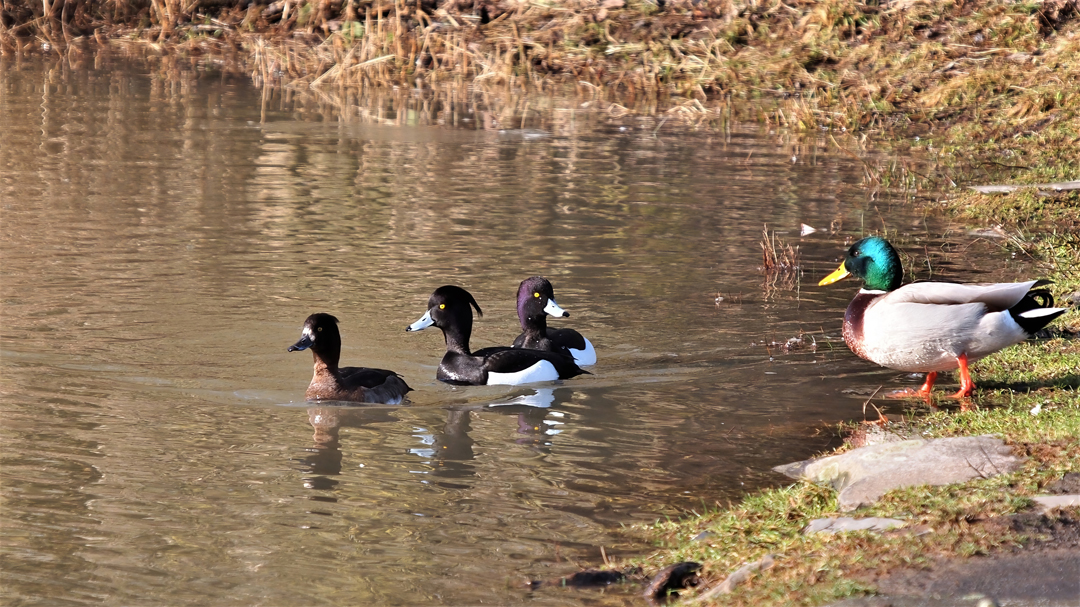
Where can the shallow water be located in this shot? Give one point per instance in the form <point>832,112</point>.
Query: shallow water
<point>164,239</point>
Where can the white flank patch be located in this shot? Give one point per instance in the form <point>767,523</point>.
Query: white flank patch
<point>585,357</point>
<point>424,322</point>
<point>541,371</point>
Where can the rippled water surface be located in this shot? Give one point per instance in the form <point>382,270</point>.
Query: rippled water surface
<point>163,239</point>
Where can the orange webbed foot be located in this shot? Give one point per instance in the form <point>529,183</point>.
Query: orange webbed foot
<point>967,387</point>
<point>923,392</point>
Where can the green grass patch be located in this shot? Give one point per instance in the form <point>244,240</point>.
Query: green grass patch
<point>1047,368</point>
<point>817,569</point>
<point>1021,208</point>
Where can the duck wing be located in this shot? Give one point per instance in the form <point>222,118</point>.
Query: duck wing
<point>544,342</point>
<point>363,377</point>
<point>926,326</point>
<point>567,338</point>
<point>575,344</point>
<point>996,296</point>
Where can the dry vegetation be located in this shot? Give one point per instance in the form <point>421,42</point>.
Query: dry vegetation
<point>835,63</point>
<point>985,88</point>
<point>780,263</point>
<point>777,256</point>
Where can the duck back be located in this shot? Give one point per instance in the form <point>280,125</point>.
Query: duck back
<point>506,366</point>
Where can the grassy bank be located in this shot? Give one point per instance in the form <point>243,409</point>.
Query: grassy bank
<point>1029,395</point>
<point>953,521</point>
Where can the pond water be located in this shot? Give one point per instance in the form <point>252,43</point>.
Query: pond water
<point>163,239</point>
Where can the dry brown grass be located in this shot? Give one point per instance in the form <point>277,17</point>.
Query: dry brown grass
<point>780,264</point>
<point>990,73</point>
<point>777,256</point>
<point>839,63</point>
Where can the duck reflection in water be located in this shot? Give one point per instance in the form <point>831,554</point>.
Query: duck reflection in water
<point>533,427</point>
<point>450,449</point>
<point>325,457</point>
<point>532,409</point>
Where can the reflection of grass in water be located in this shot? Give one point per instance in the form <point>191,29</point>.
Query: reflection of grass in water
<point>979,82</point>
<point>826,63</point>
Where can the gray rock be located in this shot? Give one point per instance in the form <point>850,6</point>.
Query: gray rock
<point>1049,502</point>
<point>998,189</point>
<point>863,475</point>
<point>1068,484</point>
<point>974,600</point>
<point>846,523</point>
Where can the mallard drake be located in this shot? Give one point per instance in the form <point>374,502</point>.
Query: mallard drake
<point>449,310</point>
<point>330,382</point>
<point>929,327</point>
<point>535,301</point>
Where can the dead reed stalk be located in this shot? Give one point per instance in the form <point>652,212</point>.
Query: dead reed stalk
<point>777,256</point>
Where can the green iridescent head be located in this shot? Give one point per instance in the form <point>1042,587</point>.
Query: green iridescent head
<point>874,261</point>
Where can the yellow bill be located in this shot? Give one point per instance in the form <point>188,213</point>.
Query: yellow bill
<point>840,274</point>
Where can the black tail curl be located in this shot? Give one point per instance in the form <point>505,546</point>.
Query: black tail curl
<point>1036,299</point>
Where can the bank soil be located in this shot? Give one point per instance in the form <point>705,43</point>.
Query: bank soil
<point>1045,566</point>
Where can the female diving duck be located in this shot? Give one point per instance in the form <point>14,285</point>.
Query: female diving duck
<point>330,382</point>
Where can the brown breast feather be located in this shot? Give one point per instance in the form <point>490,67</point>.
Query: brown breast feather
<point>853,321</point>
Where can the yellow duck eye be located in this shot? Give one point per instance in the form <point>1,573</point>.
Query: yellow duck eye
<point>536,295</point>
<point>320,328</point>
<point>442,306</point>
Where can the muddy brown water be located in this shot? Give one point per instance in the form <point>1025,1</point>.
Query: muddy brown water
<point>163,240</point>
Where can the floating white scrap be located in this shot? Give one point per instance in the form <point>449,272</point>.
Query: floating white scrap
<point>805,230</point>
